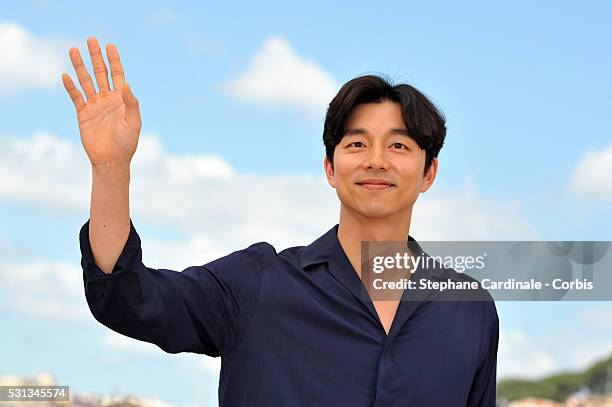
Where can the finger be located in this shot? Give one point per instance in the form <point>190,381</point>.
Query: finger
<point>132,109</point>
<point>82,74</point>
<point>75,94</point>
<point>99,67</point>
<point>115,66</point>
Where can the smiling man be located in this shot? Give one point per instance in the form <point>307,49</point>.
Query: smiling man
<point>292,328</point>
<point>378,170</point>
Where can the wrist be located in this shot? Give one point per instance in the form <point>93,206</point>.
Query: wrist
<point>120,171</point>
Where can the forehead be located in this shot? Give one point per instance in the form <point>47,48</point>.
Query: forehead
<point>385,113</point>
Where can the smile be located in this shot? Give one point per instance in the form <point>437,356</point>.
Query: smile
<point>376,186</point>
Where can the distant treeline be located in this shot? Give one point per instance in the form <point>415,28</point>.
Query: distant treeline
<point>558,387</point>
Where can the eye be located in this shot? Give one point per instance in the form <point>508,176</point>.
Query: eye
<point>401,145</point>
<point>355,142</point>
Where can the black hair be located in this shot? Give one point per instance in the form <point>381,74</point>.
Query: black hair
<point>424,122</point>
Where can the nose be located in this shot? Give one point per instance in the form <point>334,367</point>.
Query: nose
<point>376,159</point>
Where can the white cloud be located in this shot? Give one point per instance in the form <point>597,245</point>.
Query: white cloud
<point>519,356</point>
<point>121,347</point>
<point>220,209</point>
<point>591,176</point>
<point>117,342</point>
<point>54,289</point>
<point>599,315</point>
<point>44,289</point>
<point>278,76</point>
<point>199,194</point>
<point>582,339</point>
<point>584,354</point>
<point>464,213</point>
<point>28,60</point>
<point>217,209</point>
<point>201,363</point>
<point>42,170</point>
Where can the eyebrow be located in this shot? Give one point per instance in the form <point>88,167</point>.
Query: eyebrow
<point>359,130</point>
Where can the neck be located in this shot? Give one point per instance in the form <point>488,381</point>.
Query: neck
<point>354,228</point>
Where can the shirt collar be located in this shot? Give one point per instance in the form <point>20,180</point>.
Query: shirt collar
<point>327,247</point>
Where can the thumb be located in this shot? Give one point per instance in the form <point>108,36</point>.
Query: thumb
<point>132,113</point>
<point>128,98</point>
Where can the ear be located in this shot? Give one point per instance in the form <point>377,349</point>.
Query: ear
<point>430,176</point>
<point>329,172</point>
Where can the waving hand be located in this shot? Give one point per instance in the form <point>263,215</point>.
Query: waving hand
<point>109,120</point>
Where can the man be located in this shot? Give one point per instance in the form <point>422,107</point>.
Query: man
<point>292,327</point>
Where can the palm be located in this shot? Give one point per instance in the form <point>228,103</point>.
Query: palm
<point>106,136</point>
<point>109,122</point>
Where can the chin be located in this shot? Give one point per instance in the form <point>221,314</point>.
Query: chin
<point>369,208</point>
<point>376,211</point>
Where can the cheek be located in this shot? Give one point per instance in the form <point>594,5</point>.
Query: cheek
<point>411,179</point>
<point>343,171</point>
<point>410,169</point>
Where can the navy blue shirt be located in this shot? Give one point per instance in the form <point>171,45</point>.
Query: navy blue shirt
<point>293,329</point>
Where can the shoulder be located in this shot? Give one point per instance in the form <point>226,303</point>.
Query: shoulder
<point>249,259</point>
<point>256,258</point>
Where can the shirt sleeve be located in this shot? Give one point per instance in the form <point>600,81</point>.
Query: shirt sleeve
<point>483,391</point>
<point>201,309</point>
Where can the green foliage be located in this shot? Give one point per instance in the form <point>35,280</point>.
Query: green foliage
<point>558,387</point>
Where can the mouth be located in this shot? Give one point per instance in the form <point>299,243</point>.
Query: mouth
<point>375,186</point>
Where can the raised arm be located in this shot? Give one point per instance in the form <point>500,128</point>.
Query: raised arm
<point>109,125</point>
<point>203,309</point>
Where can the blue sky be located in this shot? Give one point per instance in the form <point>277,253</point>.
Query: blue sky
<point>232,102</point>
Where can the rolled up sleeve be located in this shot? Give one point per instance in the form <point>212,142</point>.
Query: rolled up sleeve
<point>201,309</point>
